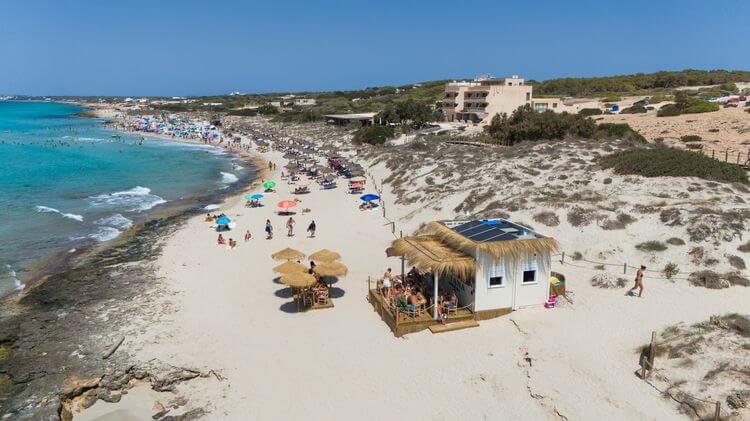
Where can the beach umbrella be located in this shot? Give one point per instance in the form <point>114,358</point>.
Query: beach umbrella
<point>223,221</point>
<point>298,280</point>
<point>286,204</point>
<point>290,267</point>
<point>369,197</point>
<point>255,196</point>
<point>357,184</point>
<point>330,269</point>
<point>324,255</point>
<point>288,254</point>
<point>269,184</point>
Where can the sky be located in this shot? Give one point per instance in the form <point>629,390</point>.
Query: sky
<point>168,48</point>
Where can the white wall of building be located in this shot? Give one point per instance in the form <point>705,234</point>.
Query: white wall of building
<point>513,292</point>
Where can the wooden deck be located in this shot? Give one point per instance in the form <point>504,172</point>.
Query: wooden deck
<point>402,324</point>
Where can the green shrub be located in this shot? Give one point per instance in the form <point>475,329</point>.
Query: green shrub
<point>527,124</point>
<point>691,138</point>
<point>635,109</point>
<point>659,98</point>
<point>672,162</point>
<point>619,130</point>
<point>670,270</point>
<point>267,109</point>
<point>373,135</point>
<point>651,246</point>
<point>701,107</point>
<point>247,112</point>
<point>587,112</point>
<point>669,110</point>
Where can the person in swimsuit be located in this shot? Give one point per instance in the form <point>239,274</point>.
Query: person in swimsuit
<point>638,281</point>
<point>311,229</point>
<point>290,227</point>
<point>220,240</point>
<point>269,230</point>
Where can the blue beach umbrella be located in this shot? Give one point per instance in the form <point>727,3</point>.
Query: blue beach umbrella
<point>369,197</point>
<point>256,196</point>
<point>223,221</point>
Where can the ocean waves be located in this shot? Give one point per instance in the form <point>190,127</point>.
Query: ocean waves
<point>137,199</point>
<point>47,209</point>
<point>228,178</point>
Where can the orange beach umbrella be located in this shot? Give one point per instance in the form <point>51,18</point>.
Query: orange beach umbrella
<point>286,204</point>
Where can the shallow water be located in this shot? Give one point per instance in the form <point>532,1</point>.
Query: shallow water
<point>66,181</point>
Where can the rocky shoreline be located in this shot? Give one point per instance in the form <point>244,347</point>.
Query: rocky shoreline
<point>66,339</point>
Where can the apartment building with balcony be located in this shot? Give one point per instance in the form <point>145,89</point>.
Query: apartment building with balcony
<point>479,100</point>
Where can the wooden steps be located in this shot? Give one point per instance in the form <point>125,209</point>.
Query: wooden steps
<point>465,324</point>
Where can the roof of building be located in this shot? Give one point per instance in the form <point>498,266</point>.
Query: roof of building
<point>497,237</point>
<point>429,253</point>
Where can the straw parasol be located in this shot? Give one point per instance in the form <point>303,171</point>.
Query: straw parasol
<point>330,269</point>
<point>298,280</point>
<point>324,255</point>
<point>290,267</point>
<point>288,254</point>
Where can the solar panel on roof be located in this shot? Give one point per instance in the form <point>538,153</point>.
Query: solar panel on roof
<point>492,230</point>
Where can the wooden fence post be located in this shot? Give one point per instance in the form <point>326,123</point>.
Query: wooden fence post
<point>726,155</point>
<point>652,351</point>
<point>717,413</point>
<point>393,227</point>
<point>562,260</point>
<point>625,268</point>
<point>713,153</point>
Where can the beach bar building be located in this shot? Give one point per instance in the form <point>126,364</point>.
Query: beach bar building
<point>494,266</point>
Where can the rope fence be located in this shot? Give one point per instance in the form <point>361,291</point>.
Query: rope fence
<point>727,155</point>
<point>648,356</point>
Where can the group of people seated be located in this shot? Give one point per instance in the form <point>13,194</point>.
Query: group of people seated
<point>411,294</point>
<point>231,244</point>
<point>368,205</point>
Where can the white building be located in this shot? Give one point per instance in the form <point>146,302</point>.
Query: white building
<point>495,266</point>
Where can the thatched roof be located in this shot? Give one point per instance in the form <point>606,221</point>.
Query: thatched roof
<point>331,269</point>
<point>429,253</point>
<point>324,255</point>
<point>298,280</point>
<point>498,249</point>
<point>290,267</point>
<point>288,254</point>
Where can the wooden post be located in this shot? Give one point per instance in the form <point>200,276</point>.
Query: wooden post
<point>738,157</point>
<point>435,297</point>
<point>717,413</point>
<point>401,235</point>
<point>726,155</point>
<point>369,287</point>
<point>393,227</point>
<point>625,268</point>
<point>652,351</point>
<point>562,259</point>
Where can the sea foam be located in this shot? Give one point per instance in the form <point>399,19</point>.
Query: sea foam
<point>105,234</point>
<point>228,178</point>
<point>47,209</point>
<point>135,200</point>
<point>116,220</point>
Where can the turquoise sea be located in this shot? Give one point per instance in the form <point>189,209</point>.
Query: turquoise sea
<point>66,182</point>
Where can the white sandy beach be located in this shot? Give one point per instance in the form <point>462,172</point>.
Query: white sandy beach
<point>576,362</point>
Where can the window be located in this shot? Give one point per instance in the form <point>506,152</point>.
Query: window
<point>528,96</point>
<point>496,276</point>
<point>529,272</point>
<point>554,105</point>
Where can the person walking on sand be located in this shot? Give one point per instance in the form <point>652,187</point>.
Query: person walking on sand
<point>638,281</point>
<point>311,229</point>
<point>290,226</point>
<point>248,236</point>
<point>269,230</point>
